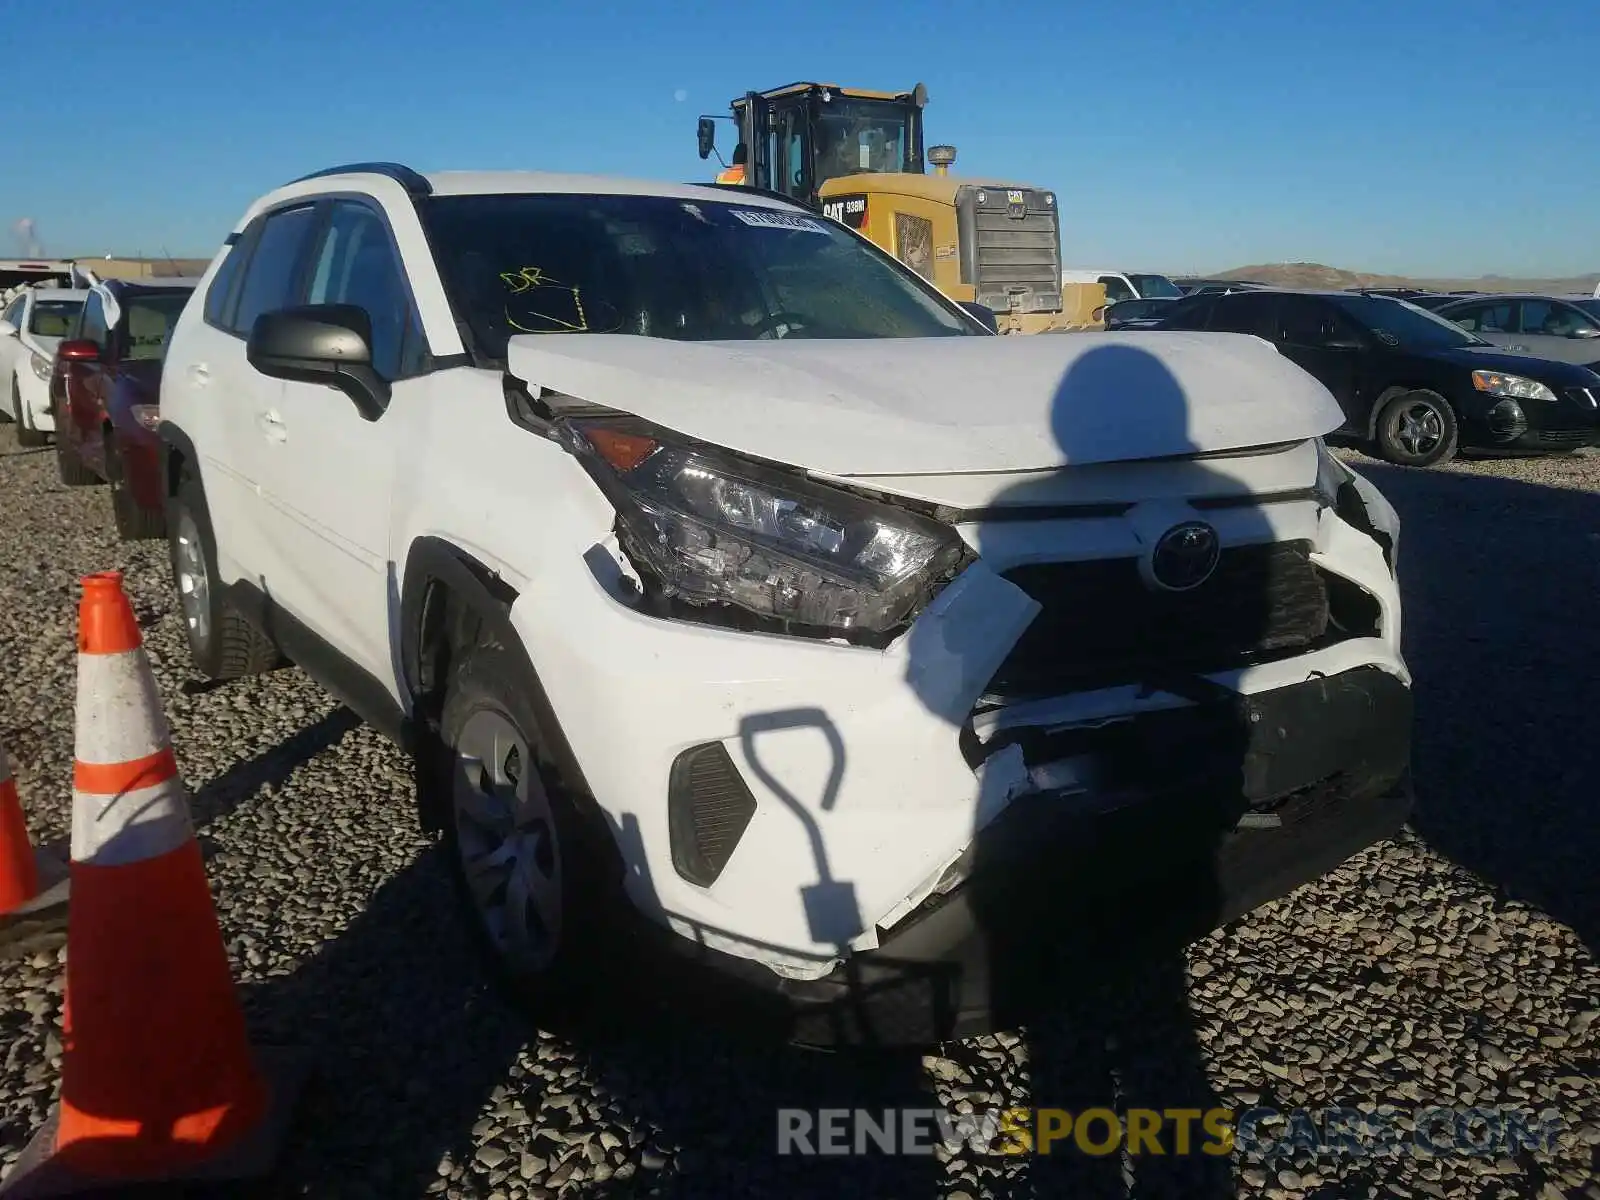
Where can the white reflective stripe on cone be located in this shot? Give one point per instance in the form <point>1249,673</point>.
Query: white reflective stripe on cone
<point>119,709</point>
<point>145,823</point>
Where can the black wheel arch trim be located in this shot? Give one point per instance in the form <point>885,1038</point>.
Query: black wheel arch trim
<point>434,563</point>
<point>175,445</point>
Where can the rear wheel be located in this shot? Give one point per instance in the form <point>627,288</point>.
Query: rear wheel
<point>133,522</point>
<point>222,643</point>
<point>1417,428</point>
<point>27,435</point>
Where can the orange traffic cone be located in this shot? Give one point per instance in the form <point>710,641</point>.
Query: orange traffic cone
<point>33,885</point>
<point>19,873</point>
<point>159,1082</point>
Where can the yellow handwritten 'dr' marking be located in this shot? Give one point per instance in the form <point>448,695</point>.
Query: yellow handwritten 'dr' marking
<point>526,279</point>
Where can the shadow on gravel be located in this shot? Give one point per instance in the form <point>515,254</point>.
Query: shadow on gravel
<point>217,797</point>
<point>1500,581</point>
<point>409,1040</point>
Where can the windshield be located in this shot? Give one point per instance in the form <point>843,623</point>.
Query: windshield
<point>148,320</point>
<point>53,318</point>
<point>1156,287</point>
<point>655,266</point>
<point>853,136</point>
<point>1402,323</point>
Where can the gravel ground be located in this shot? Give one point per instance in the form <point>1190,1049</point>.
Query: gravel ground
<point>1452,966</point>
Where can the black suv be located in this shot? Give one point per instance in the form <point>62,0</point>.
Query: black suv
<point>1412,385</point>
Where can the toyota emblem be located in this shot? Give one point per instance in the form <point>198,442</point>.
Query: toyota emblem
<point>1185,556</point>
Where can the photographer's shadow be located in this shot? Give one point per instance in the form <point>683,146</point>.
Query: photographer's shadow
<point>1085,889</point>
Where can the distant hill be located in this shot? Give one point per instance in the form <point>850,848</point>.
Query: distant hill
<point>1315,275</point>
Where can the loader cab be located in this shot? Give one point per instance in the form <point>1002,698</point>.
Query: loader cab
<point>798,137</point>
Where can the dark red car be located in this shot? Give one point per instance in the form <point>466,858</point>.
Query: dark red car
<point>106,390</point>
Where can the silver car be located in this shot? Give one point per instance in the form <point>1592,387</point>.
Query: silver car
<point>1563,328</point>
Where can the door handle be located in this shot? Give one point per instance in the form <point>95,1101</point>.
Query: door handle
<point>272,425</point>
<point>199,374</point>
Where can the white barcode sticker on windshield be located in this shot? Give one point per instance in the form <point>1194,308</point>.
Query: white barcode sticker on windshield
<point>778,220</point>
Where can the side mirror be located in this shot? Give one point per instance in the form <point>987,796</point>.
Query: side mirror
<point>984,313</point>
<point>7,329</point>
<point>80,350</point>
<point>1586,331</point>
<point>330,344</point>
<point>706,135</point>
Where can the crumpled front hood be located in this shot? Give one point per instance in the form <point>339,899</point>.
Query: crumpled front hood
<point>913,406</point>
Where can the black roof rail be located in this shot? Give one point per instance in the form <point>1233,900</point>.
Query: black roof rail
<point>412,181</point>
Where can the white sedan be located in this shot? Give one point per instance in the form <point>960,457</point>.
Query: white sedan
<point>31,328</point>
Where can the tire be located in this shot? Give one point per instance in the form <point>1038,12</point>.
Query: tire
<point>516,817</point>
<point>222,644</point>
<point>70,468</point>
<point>27,435</point>
<point>134,524</point>
<point>1416,428</point>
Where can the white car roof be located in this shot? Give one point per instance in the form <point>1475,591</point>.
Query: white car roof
<point>475,183</point>
<point>472,183</point>
<point>58,293</point>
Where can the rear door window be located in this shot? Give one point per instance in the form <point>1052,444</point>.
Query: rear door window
<point>1307,321</point>
<point>1246,312</point>
<point>223,289</point>
<point>1495,316</point>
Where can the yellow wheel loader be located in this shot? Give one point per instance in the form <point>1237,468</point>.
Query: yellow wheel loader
<point>857,156</point>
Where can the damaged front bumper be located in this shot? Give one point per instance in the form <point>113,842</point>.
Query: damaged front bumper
<point>803,813</point>
<point>1069,884</point>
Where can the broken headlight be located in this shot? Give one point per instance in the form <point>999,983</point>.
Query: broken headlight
<point>1331,475</point>
<point>710,528</point>
<point>1339,488</point>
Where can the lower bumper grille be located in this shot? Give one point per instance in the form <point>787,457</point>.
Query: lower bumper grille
<point>1100,625</point>
<point>1567,437</point>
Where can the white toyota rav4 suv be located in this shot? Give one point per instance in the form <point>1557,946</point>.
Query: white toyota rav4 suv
<point>708,559</point>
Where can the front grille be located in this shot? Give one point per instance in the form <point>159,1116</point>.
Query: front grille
<point>1011,248</point>
<point>1101,626</point>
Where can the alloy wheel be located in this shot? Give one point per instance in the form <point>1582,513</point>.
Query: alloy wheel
<point>1419,428</point>
<point>194,582</point>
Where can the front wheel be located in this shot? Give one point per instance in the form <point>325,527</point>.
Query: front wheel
<point>1417,428</point>
<point>527,869</point>
<point>69,467</point>
<point>27,435</point>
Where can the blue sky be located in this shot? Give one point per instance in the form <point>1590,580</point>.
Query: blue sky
<point>1412,136</point>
